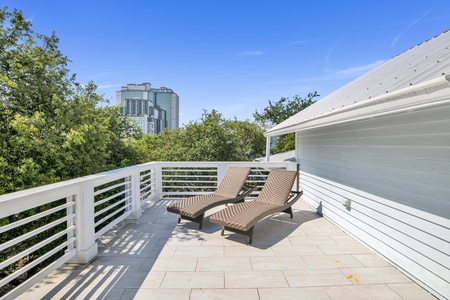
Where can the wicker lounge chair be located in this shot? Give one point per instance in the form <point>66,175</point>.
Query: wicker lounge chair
<point>275,196</point>
<point>230,190</point>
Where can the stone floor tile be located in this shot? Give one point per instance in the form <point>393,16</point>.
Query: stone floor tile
<point>153,280</point>
<point>164,264</point>
<point>128,294</point>
<point>312,240</point>
<point>255,279</point>
<point>199,252</point>
<point>362,292</point>
<point>130,263</point>
<point>277,263</point>
<point>374,275</point>
<point>343,239</point>
<point>411,291</point>
<point>182,242</point>
<point>148,264</point>
<point>371,260</point>
<point>331,261</point>
<point>313,293</point>
<point>178,280</point>
<point>269,241</point>
<point>224,264</point>
<point>297,232</point>
<point>309,225</point>
<point>130,279</point>
<point>224,241</point>
<point>349,248</point>
<point>162,294</point>
<point>288,251</point>
<point>224,294</point>
<point>115,294</point>
<point>257,235</point>
<point>319,277</point>
<point>289,259</point>
<point>247,251</point>
<point>321,231</point>
<point>167,251</point>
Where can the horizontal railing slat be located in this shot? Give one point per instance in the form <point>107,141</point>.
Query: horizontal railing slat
<point>35,247</point>
<point>35,262</point>
<point>137,184</point>
<point>27,235</point>
<point>34,217</point>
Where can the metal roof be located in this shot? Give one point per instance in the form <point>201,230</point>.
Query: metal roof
<point>406,72</point>
<point>284,156</point>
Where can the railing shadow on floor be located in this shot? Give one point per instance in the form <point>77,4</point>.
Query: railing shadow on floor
<point>126,255</point>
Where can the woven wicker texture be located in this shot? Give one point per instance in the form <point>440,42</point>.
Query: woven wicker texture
<point>277,187</point>
<point>197,206</point>
<point>243,216</point>
<point>232,182</point>
<point>227,191</point>
<point>273,197</point>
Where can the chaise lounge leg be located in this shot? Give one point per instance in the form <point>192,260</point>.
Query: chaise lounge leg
<point>179,220</point>
<point>223,231</point>
<point>289,211</point>
<point>250,235</point>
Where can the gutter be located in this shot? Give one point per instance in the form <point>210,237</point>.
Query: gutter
<point>431,93</point>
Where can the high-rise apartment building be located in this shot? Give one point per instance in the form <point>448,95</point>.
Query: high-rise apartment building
<point>152,109</point>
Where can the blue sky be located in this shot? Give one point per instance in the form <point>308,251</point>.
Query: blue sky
<point>230,55</point>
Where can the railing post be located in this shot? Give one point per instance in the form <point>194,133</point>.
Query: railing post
<point>135,182</point>
<point>296,167</point>
<point>87,248</point>
<point>221,170</point>
<point>70,222</point>
<point>268,144</point>
<point>158,178</point>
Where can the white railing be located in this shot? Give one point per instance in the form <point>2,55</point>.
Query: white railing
<point>48,226</point>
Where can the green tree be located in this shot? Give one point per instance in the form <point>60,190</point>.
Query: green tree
<point>51,127</point>
<point>277,112</point>
<point>212,138</point>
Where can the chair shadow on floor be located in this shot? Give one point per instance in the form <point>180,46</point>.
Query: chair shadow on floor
<point>272,230</point>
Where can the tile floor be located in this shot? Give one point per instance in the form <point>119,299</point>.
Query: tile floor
<point>306,257</point>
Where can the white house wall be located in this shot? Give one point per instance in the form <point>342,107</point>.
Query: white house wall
<point>396,172</point>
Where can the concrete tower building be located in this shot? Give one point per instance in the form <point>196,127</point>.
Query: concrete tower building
<point>153,109</point>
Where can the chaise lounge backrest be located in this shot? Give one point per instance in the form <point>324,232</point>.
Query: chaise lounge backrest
<point>233,181</point>
<point>277,188</point>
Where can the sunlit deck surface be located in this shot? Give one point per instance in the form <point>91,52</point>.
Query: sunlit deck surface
<point>302,258</point>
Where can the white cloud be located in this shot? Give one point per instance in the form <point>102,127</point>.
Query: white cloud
<point>298,42</point>
<point>349,72</point>
<point>250,53</point>
<point>100,75</point>
<point>329,53</point>
<point>395,40</point>
<point>107,86</point>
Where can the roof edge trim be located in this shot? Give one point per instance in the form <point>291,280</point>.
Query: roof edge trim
<point>422,93</point>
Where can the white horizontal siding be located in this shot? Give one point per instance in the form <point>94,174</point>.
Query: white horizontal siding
<point>396,171</point>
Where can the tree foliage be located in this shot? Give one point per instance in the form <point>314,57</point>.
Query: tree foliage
<point>51,127</point>
<point>277,112</point>
<point>212,138</point>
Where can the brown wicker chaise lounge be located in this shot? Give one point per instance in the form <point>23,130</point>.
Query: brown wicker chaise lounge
<point>275,196</point>
<point>230,190</point>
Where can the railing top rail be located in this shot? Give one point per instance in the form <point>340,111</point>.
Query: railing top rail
<point>71,183</point>
<point>108,176</point>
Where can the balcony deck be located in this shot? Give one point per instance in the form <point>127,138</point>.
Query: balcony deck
<point>302,258</point>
